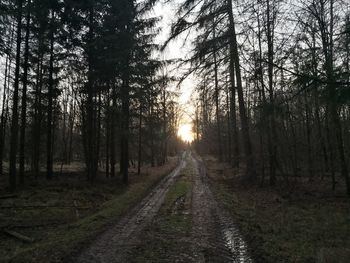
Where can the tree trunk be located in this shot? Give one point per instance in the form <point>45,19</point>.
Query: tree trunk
<point>330,149</point>
<point>14,122</point>
<point>217,106</point>
<point>112,134</point>
<point>71,128</point>
<point>3,118</point>
<point>90,133</point>
<point>165,146</point>
<point>124,152</point>
<point>36,134</point>
<point>250,162</point>
<point>139,141</point>
<point>308,138</point>
<point>264,126</point>
<point>49,151</point>
<point>108,132</point>
<point>327,43</point>
<point>24,97</point>
<point>235,156</point>
<point>151,130</point>
<point>272,123</point>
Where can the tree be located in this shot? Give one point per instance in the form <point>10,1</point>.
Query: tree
<point>14,121</point>
<point>24,93</point>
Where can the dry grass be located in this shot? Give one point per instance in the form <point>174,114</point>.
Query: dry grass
<point>167,238</point>
<point>53,221</point>
<point>303,223</point>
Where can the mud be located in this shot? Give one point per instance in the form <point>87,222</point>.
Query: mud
<point>216,238</point>
<point>213,238</point>
<point>115,244</point>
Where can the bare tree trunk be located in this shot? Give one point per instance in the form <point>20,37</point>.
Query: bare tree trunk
<point>3,118</point>
<point>98,133</point>
<point>272,123</point>
<point>64,129</point>
<point>229,133</point>
<point>90,120</point>
<point>327,43</point>
<point>264,126</point>
<point>308,139</point>
<point>317,106</point>
<point>139,141</point>
<point>235,157</point>
<point>125,128</point>
<point>112,133</point>
<point>14,123</point>
<point>5,98</point>
<point>108,132</point>
<point>197,127</point>
<point>36,134</point>
<point>165,135</point>
<point>217,106</point>
<point>71,128</point>
<point>24,96</point>
<point>151,130</point>
<point>330,149</point>
<point>250,162</point>
<point>49,151</point>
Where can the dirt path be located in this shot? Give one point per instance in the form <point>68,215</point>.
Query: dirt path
<point>114,244</point>
<point>215,237</point>
<point>212,238</point>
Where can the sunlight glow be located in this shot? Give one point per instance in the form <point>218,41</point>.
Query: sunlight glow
<point>185,132</point>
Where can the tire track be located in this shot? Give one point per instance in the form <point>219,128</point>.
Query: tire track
<point>216,238</point>
<point>115,243</point>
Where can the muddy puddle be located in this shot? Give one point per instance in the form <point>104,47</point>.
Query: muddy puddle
<point>115,244</point>
<point>236,244</point>
<point>209,220</point>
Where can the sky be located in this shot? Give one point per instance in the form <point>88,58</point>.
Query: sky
<point>177,49</point>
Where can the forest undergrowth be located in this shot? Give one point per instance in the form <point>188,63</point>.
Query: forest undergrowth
<point>299,222</point>
<point>60,216</point>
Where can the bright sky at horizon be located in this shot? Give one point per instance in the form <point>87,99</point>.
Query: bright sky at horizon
<point>177,49</point>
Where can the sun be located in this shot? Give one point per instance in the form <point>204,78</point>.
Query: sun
<point>185,132</point>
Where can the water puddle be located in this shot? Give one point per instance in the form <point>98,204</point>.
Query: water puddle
<point>235,243</point>
<point>230,246</point>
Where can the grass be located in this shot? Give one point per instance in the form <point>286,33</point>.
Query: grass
<point>61,233</point>
<point>168,236</point>
<point>284,228</point>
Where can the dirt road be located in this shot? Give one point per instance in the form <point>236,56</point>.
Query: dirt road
<point>214,237</point>
<point>113,245</point>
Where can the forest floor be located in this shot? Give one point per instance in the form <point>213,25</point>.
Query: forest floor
<point>302,222</point>
<point>58,217</point>
<point>199,212</point>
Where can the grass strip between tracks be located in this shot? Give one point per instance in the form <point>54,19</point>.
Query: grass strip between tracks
<point>167,238</point>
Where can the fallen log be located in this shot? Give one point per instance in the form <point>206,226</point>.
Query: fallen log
<point>18,236</point>
<point>76,207</point>
<point>20,224</point>
<point>7,196</point>
<point>44,206</point>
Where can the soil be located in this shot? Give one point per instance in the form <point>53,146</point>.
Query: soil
<point>213,235</point>
<point>114,244</point>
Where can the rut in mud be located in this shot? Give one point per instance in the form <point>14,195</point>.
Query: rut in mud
<point>216,238</point>
<point>212,238</point>
<point>113,245</point>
